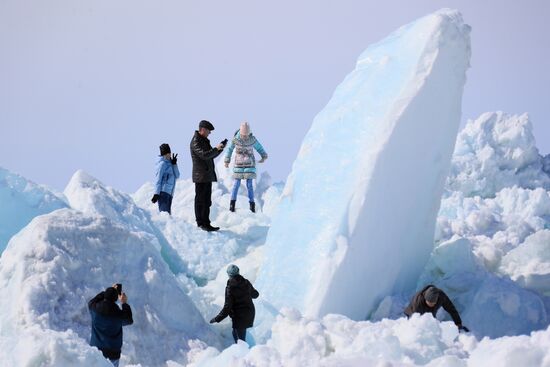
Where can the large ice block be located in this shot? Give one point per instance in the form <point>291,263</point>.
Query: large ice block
<point>357,215</point>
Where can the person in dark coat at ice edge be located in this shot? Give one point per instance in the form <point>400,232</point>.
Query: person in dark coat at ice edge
<point>108,320</point>
<point>430,299</point>
<point>238,303</point>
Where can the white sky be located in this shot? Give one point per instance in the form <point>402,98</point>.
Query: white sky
<point>100,84</point>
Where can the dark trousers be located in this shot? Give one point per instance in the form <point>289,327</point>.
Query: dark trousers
<point>203,201</point>
<point>165,202</point>
<point>239,334</point>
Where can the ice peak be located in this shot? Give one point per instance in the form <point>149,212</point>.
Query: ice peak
<point>82,178</point>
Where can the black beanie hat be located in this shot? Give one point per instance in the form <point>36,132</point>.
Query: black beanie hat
<point>431,294</point>
<point>206,125</point>
<point>111,294</point>
<point>164,149</point>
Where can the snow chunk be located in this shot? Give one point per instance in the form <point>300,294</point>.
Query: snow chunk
<point>529,263</point>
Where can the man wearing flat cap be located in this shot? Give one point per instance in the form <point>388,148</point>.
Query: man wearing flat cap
<point>430,299</point>
<point>202,155</point>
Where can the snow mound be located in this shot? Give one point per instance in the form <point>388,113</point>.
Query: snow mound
<point>495,151</point>
<point>335,341</point>
<point>90,196</point>
<point>22,200</point>
<point>347,219</point>
<point>204,254</point>
<point>496,225</point>
<point>61,260</point>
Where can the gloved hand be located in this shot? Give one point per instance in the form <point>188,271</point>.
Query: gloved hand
<point>174,159</point>
<point>213,320</point>
<point>463,328</point>
<point>155,198</point>
<point>262,160</point>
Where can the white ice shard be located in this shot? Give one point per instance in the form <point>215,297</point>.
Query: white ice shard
<point>20,201</point>
<point>357,215</point>
<point>61,260</point>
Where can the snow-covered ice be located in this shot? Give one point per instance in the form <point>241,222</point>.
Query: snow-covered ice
<point>347,215</point>
<point>529,263</point>
<point>490,250</point>
<point>61,260</point>
<point>20,201</point>
<point>495,151</point>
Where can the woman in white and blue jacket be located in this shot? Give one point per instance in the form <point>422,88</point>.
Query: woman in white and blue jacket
<point>167,174</point>
<point>244,144</point>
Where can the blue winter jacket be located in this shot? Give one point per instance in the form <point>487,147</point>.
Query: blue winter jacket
<point>107,322</point>
<point>167,174</point>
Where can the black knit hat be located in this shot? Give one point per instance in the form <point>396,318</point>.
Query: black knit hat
<point>431,294</point>
<point>111,294</point>
<point>206,125</point>
<point>164,149</point>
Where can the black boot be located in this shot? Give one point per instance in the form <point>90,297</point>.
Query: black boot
<point>232,205</point>
<point>253,207</point>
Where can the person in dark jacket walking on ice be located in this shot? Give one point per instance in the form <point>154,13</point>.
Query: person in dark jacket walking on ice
<point>238,303</point>
<point>167,174</point>
<point>107,322</point>
<point>244,168</point>
<point>204,173</point>
<point>430,299</point>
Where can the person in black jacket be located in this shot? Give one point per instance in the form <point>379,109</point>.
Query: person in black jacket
<point>107,322</point>
<point>238,303</point>
<point>202,155</point>
<point>430,299</point>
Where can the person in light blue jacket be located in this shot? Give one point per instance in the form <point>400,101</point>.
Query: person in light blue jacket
<point>244,143</point>
<point>167,174</point>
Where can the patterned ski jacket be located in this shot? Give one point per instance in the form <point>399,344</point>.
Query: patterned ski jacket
<point>245,162</point>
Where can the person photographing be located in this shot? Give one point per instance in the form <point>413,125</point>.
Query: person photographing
<point>108,320</point>
<point>204,173</point>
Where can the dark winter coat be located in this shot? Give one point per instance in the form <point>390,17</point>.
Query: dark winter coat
<point>418,305</point>
<point>107,322</point>
<point>203,156</point>
<point>238,303</point>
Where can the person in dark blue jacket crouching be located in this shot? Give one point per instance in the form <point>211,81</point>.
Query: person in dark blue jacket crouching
<point>107,322</point>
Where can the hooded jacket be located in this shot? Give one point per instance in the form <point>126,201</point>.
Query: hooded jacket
<point>203,156</point>
<point>107,322</point>
<point>418,305</point>
<point>167,174</point>
<point>245,162</point>
<point>238,302</point>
